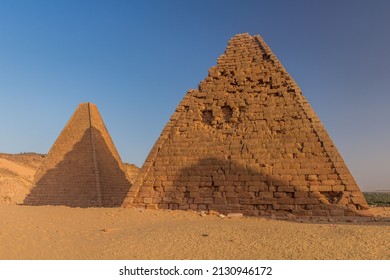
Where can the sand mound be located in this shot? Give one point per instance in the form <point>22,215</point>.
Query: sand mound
<point>56,232</point>
<point>16,176</point>
<point>32,160</point>
<point>15,168</point>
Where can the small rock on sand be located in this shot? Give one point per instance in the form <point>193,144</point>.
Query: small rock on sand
<point>235,215</point>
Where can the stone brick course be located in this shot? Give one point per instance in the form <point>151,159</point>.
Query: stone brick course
<point>246,141</point>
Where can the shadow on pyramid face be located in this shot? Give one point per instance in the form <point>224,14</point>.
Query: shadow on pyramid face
<point>87,176</point>
<point>227,186</point>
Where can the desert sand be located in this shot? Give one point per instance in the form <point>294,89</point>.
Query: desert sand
<point>58,232</point>
<point>16,176</point>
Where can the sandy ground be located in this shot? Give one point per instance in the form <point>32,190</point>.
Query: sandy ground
<point>50,232</point>
<point>57,232</point>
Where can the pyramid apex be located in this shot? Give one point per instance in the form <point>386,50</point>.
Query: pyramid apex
<point>242,34</point>
<point>245,39</point>
<point>239,36</point>
<point>85,104</point>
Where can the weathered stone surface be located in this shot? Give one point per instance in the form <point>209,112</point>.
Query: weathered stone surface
<point>247,141</point>
<point>83,167</point>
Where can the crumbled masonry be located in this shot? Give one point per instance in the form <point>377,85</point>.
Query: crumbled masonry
<point>247,141</point>
<point>83,168</point>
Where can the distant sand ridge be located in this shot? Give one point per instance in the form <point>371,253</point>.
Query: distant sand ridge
<point>16,176</point>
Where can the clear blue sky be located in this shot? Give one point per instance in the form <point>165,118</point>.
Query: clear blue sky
<point>137,59</point>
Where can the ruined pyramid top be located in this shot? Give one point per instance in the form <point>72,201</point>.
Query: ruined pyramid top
<point>247,57</point>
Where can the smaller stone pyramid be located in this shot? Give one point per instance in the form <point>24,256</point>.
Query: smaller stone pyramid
<point>83,167</point>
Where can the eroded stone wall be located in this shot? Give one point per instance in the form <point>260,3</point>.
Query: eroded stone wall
<point>247,141</point>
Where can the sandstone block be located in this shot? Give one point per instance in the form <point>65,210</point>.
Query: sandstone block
<point>286,200</point>
<point>306,200</point>
<point>299,194</point>
<point>358,200</point>
<point>286,189</point>
<point>220,200</point>
<point>320,212</point>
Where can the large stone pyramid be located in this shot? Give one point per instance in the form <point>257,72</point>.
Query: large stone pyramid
<point>247,141</point>
<point>83,168</point>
